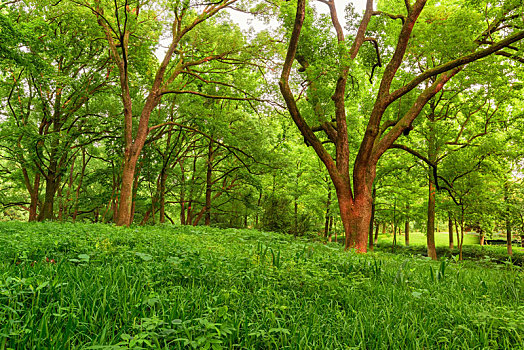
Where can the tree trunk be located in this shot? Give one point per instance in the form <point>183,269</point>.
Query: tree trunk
<point>507,217</point>
<point>461,241</point>
<point>61,204</point>
<point>328,215</point>
<point>66,207</point>
<point>259,201</point>
<point>450,232</point>
<point>432,252</point>
<point>80,182</point>
<point>162,196</point>
<point>51,186</point>
<point>295,228</point>
<point>33,205</point>
<point>182,194</point>
<point>355,216</point>
<point>406,230</point>
<point>458,232</point>
<point>395,224</point>
<point>123,217</point>
<point>509,238</point>
<point>481,237</point>
<point>432,156</point>
<point>209,183</point>
<point>376,233</point>
<point>333,228</point>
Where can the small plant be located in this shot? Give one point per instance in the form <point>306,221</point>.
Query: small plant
<point>203,288</point>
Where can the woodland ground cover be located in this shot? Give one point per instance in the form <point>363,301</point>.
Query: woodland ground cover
<point>472,250</point>
<point>193,287</point>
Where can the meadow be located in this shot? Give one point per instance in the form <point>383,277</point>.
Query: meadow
<point>79,286</point>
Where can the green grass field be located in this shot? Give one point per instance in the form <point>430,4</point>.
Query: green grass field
<point>419,238</point>
<point>74,286</point>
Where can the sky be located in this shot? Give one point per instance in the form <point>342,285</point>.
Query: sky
<point>245,21</point>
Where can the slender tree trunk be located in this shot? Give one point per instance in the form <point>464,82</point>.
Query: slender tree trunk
<point>295,229</point>
<point>146,217</point>
<point>182,194</point>
<point>406,230</point>
<point>333,228</point>
<point>259,201</point>
<point>328,215</point>
<point>509,238</point>
<point>376,233</point>
<point>395,224</point>
<point>209,183</point>
<point>34,191</point>
<point>508,221</point>
<point>123,215</point>
<point>432,156</point>
<point>406,227</point>
<point>432,252</point>
<point>65,207</point>
<point>162,196</point>
<point>481,236</point>
<point>80,183</point>
<point>461,242</point>
<point>458,232</point>
<point>295,198</point>
<point>190,210</point>
<point>450,232</point>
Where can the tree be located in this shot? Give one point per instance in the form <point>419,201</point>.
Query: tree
<point>354,188</point>
<point>47,99</point>
<point>196,41</point>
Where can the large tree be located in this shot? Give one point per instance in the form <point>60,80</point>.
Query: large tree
<point>354,185</point>
<point>46,104</point>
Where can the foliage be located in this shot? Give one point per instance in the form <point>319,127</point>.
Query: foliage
<point>102,287</point>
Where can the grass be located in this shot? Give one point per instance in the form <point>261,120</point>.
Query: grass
<point>202,288</point>
<point>472,250</point>
<point>419,238</point>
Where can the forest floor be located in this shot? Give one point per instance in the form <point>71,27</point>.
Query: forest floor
<point>103,287</point>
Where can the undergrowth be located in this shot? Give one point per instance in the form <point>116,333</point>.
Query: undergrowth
<point>74,286</point>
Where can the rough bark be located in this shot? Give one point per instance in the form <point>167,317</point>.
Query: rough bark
<point>51,186</point>
<point>123,216</point>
